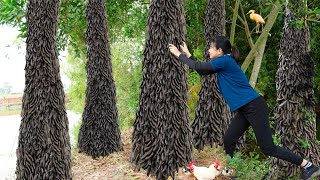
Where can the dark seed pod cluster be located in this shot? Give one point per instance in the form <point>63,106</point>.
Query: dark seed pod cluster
<point>161,140</point>
<point>44,144</point>
<point>99,134</point>
<point>212,114</point>
<point>294,111</point>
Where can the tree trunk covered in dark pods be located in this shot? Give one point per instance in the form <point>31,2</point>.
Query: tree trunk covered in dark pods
<point>162,139</point>
<point>295,110</point>
<point>212,114</point>
<point>44,144</point>
<point>99,134</point>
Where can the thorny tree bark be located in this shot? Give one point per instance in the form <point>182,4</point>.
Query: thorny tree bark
<point>99,133</point>
<point>44,144</point>
<point>162,139</point>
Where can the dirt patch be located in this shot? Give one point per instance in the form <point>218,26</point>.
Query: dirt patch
<point>117,166</point>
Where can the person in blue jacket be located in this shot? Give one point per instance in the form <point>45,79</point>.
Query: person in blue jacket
<point>251,109</point>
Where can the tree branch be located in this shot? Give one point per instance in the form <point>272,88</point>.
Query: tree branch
<point>264,35</point>
<point>234,22</point>
<point>247,30</point>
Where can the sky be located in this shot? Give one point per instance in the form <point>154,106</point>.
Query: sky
<point>12,59</point>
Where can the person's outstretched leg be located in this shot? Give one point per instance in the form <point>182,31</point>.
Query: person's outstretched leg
<point>235,130</point>
<point>256,112</point>
<point>309,170</point>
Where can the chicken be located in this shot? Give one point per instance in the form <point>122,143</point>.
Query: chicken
<point>204,173</point>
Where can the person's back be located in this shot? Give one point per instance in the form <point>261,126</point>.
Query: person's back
<point>232,82</point>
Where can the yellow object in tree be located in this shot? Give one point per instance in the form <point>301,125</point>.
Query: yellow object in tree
<point>257,18</point>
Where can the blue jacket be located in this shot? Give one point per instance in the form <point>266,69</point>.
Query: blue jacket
<point>232,81</point>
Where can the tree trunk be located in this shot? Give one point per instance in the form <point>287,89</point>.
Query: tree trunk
<point>99,133</point>
<point>212,114</point>
<point>295,110</point>
<point>161,140</point>
<point>44,144</point>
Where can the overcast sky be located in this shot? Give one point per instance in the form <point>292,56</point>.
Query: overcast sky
<point>12,59</point>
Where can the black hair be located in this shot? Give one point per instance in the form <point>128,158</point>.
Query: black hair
<point>224,43</point>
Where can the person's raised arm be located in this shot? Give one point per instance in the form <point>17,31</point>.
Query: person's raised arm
<point>203,68</point>
<point>185,50</point>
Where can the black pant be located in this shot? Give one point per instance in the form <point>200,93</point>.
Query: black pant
<point>255,113</point>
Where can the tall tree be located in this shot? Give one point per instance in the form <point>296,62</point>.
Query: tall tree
<point>212,113</point>
<point>294,111</point>
<point>161,138</point>
<point>99,134</point>
<point>44,146</point>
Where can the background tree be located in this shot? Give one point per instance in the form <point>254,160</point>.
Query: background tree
<point>294,111</point>
<point>99,134</point>
<point>126,32</point>
<point>161,140</point>
<point>44,146</point>
<point>212,113</point>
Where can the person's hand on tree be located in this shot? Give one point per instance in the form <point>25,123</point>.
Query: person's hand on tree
<point>185,49</point>
<point>174,50</point>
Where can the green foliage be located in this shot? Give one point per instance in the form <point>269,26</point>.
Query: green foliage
<point>195,13</point>
<point>309,117</point>
<point>303,142</point>
<point>12,12</point>
<point>299,23</point>
<point>247,167</point>
<point>135,21</point>
<point>194,88</point>
<point>127,65</point>
<point>77,75</point>
<point>74,135</point>
<point>194,84</point>
<point>127,19</point>
<point>198,53</point>
<point>72,25</point>
<point>276,140</point>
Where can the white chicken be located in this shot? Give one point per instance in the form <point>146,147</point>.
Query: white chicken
<point>205,173</point>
